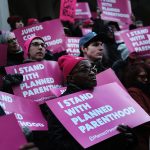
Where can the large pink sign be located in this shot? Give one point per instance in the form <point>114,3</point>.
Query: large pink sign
<point>11,134</point>
<point>118,36</point>
<point>116,10</point>
<point>72,44</point>
<point>3,54</point>
<point>138,40</point>
<point>38,80</point>
<point>58,92</point>
<point>67,10</point>
<point>106,77</point>
<point>26,111</point>
<point>51,31</point>
<point>93,116</point>
<point>82,11</point>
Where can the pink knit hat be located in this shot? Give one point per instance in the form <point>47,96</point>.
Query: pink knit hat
<point>27,44</point>
<point>67,63</point>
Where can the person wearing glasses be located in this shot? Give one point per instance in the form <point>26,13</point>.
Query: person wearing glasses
<point>35,49</point>
<point>78,72</point>
<point>15,53</point>
<point>80,75</point>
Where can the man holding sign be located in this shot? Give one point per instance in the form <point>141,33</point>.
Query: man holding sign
<point>35,50</point>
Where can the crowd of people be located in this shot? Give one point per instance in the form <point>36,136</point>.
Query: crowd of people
<point>98,52</point>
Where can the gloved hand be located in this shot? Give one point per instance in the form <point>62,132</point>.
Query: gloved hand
<point>129,135</point>
<point>12,79</point>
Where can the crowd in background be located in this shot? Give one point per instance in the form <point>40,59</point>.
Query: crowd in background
<point>98,51</point>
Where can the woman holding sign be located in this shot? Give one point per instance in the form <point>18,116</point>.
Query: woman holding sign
<point>80,75</point>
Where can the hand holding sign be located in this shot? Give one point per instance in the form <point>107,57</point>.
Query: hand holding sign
<point>38,79</point>
<point>12,79</point>
<point>130,136</point>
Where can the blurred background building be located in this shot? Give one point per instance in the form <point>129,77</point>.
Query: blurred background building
<point>50,9</point>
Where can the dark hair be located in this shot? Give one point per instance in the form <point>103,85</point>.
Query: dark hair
<point>88,43</point>
<point>115,24</point>
<point>131,74</point>
<point>12,21</point>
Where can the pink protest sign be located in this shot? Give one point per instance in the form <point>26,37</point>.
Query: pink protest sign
<point>99,3</point>
<point>3,54</point>
<point>72,44</point>
<point>138,40</point>
<point>118,36</point>
<point>11,134</point>
<point>82,11</point>
<point>116,10</point>
<point>86,30</point>
<point>54,37</point>
<point>123,26</point>
<point>93,116</point>
<point>38,80</point>
<point>67,10</point>
<point>106,77</point>
<point>26,111</point>
<point>58,92</point>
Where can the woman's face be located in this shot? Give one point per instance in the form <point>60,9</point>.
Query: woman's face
<point>142,77</point>
<point>83,75</point>
<point>19,24</point>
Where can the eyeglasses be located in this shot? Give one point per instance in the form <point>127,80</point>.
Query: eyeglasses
<point>36,44</point>
<point>86,70</point>
<point>12,40</point>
